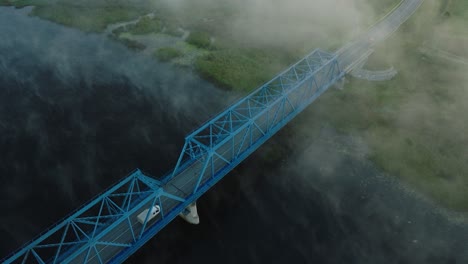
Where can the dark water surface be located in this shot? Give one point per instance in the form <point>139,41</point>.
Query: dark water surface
<point>77,112</point>
<point>319,205</point>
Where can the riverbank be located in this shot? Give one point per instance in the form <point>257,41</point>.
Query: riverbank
<point>201,34</point>
<point>314,203</point>
<point>412,124</point>
<point>87,15</point>
<point>77,113</point>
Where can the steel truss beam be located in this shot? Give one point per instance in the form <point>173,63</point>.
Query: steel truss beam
<point>106,228</point>
<point>85,234</point>
<point>223,139</point>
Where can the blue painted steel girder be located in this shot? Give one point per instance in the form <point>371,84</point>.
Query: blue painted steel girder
<point>94,233</point>
<point>106,230</point>
<point>241,134</point>
<point>83,234</point>
<point>282,90</point>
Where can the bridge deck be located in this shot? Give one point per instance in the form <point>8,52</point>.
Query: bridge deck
<point>107,230</point>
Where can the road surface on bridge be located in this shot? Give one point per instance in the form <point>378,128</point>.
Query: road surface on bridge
<point>182,184</point>
<point>114,236</point>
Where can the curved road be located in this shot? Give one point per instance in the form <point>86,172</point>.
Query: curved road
<point>369,75</point>
<point>355,52</point>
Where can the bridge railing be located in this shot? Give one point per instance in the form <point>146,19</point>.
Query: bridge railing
<point>58,224</point>
<point>218,146</point>
<point>211,151</point>
<point>79,235</point>
<point>220,141</point>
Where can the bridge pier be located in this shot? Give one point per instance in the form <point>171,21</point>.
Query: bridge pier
<point>210,152</point>
<point>190,214</point>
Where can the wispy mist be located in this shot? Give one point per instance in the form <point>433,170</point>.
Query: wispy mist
<point>292,25</point>
<point>329,203</point>
<point>78,112</point>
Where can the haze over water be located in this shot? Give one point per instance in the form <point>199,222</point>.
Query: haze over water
<point>78,112</point>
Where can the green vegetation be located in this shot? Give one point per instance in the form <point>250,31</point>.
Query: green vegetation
<point>88,19</point>
<point>21,3</point>
<point>238,69</point>
<point>189,52</point>
<point>168,53</point>
<point>455,16</point>
<point>146,25</point>
<point>232,64</point>
<point>415,125</point>
<point>89,16</point>
<point>199,39</point>
<point>459,8</point>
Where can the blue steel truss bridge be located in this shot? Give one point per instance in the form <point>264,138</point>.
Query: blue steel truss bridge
<point>119,221</point>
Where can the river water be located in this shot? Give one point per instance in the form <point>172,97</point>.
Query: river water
<point>78,112</point>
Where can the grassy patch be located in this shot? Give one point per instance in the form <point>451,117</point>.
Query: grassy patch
<point>21,3</point>
<point>146,25</point>
<point>232,65</point>
<point>459,8</point>
<point>88,19</point>
<point>89,16</point>
<point>173,30</point>
<point>455,13</point>
<point>168,53</point>
<point>199,39</point>
<point>414,125</point>
<point>423,161</point>
<point>190,54</point>
<point>239,69</point>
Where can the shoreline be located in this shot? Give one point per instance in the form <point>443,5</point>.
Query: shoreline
<point>212,59</point>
